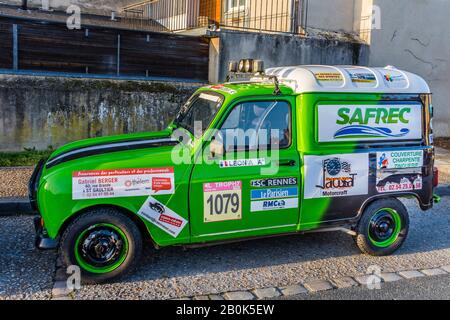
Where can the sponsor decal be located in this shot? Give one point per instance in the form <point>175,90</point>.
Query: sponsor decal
<point>399,159</point>
<point>391,78</point>
<point>96,184</point>
<point>209,97</point>
<point>392,180</point>
<point>274,193</point>
<point>336,175</point>
<point>399,170</point>
<point>394,79</point>
<point>161,184</point>
<point>162,217</point>
<point>221,87</point>
<point>276,182</point>
<point>362,77</point>
<point>222,201</point>
<point>275,204</point>
<point>328,76</point>
<point>366,122</point>
<point>242,163</point>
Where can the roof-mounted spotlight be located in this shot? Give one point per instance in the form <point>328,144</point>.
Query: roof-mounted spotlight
<point>245,66</point>
<point>241,66</point>
<point>245,69</point>
<point>233,66</point>
<point>258,66</point>
<point>248,66</point>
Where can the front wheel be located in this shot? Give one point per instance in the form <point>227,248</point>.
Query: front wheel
<point>383,227</point>
<point>104,243</point>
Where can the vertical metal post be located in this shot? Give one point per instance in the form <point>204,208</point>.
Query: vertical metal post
<point>293,15</point>
<point>118,55</point>
<point>15,47</point>
<point>305,26</point>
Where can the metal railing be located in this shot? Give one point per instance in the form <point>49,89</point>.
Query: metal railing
<point>287,16</point>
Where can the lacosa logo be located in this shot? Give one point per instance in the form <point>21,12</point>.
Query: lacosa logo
<point>372,122</point>
<point>337,174</point>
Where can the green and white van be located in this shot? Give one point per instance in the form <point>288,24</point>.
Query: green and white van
<point>289,150</point>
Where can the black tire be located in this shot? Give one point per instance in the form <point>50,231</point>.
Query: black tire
<point>371,222</point>
<point>127,243</point>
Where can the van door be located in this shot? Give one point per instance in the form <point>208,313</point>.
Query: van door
<point>252,186</point>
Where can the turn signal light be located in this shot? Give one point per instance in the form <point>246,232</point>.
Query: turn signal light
<point>435,177</point>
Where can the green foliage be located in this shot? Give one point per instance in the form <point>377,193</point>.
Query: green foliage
<point>28,157</point>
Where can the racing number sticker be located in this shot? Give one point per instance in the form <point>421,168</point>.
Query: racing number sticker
<point>222,201</point>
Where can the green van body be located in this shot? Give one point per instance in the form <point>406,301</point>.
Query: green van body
<point>54,195</point>
<point>51,187</point>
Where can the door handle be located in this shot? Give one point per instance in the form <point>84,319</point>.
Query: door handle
<point>286,163</point>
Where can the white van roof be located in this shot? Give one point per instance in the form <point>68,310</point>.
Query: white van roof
<point>317,78</point>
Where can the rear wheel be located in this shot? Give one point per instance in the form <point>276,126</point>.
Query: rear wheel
<point>104,243</point>
<point>383,227</point>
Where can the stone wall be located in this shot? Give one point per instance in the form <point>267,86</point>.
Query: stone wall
<point>40,112</point>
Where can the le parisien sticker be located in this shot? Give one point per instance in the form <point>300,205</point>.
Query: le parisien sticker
<point>222,201</point>
<point>96,184</point>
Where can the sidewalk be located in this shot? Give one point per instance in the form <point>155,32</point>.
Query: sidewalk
<point>443,164</point>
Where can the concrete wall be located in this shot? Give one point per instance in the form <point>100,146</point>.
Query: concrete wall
<point>363,19</point>
<point>41,112</point>
<point>287,50</point>
<point>337,15</point>
<point>413,37</point>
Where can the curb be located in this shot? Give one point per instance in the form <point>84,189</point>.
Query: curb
<point>315,286</point>
<point>18,168</point>
<point>15,206</point>
<point>60,290</point>
<point>371,281</point>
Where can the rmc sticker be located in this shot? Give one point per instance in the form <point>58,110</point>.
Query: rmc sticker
<point>222,201</point>
<point>339,175</point>
<point>97,184</point>
<point>162,217</point>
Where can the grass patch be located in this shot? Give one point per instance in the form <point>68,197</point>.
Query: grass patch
<point>28,157</point>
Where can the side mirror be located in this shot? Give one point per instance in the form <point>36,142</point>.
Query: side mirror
<point>216,148</point>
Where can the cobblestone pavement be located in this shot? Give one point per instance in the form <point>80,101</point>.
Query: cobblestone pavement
<point>25,273</point>
<point>14,182</point>
<point>288,264</point>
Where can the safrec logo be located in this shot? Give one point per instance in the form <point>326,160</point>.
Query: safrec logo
<point>337,174</point>
<point>357,122</point>
<point>369,122</point>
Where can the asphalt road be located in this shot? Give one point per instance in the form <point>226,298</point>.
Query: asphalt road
<point>170,273</point>
<point>429,288</point>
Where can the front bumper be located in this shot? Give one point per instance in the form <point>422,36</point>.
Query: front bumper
<point>43,241</point>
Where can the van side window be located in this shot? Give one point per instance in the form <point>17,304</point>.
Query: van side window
<point>257,125</point>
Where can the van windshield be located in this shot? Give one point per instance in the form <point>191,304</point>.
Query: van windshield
<point>196,115</point>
